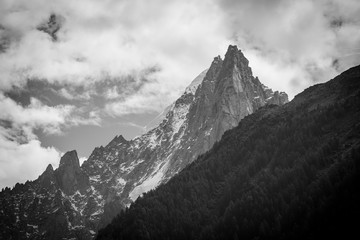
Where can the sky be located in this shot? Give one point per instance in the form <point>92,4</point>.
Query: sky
<point>114,65</point>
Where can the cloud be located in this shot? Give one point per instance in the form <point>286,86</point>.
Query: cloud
<point>100,39</point>
<point>84,116</point>
<point>22,157</point>
<point>292,44</point>
<point>134,104</point>
<point>22,162</point>
<point>39,116</point>
<point>36,115</point>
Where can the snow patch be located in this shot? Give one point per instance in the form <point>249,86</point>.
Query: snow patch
<point>179,117</point>
<point>196,82</point>
<point>95,178</point>
<point>151,182</point>
<point>158,119</point>
<point>121,181</point>
<point>208,132</point>
<point>33,226</point>
<point>132,165</point>
<point>99,211</point>
<point>152,140</point>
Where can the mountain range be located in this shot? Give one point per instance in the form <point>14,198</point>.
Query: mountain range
<point>284,172</point>
<point>74,202</point>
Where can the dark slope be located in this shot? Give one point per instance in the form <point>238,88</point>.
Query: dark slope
<point>284,172</point>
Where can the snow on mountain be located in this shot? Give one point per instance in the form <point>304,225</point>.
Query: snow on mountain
<point>189,89</point>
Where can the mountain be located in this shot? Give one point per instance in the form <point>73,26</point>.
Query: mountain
<point>74,201</point>
<point>285,172</point>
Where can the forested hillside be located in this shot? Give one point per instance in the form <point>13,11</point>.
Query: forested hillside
<point>285,172</point>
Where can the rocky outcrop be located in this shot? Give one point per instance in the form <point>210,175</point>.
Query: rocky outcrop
<point>69,175</point>
<point>47,179</point>
<point>80,200</point>
<point>228,93</point>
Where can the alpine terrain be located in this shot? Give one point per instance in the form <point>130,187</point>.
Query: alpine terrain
<point>74,202</point>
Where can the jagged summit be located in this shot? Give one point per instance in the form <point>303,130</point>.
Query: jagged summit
<point>70,158</point>
<point>234,56</point>
<point>69,176</point>
<point>217,59</point>
<point>47,178</point>
<point>49,168</point>
<point>118,139</point>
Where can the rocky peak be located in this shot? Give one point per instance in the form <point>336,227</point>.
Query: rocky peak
<point>121,139</point>
<point>69,176</point>
<point>213,71</point>
<point>117,141</point>
<point>71,159</point>
<point>278,98</point>
<point>234,57</point>
<point>47,178</point>
<point>117,174</point>
<point>217,60</point>
<point>49,169</point>
<point>228,93</point>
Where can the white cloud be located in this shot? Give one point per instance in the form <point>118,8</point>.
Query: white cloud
<point>109,37</point>
<point>34,116</point>
<point>133,105</point>
<point>91,118</point>
<point>21,155</point>
<point>39,116</point>
<point>112,93</point>
<point>292,44</point>
<point>22,162</point>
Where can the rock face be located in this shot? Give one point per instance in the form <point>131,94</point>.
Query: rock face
<point>69,175</point>
<point>84,199</point>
